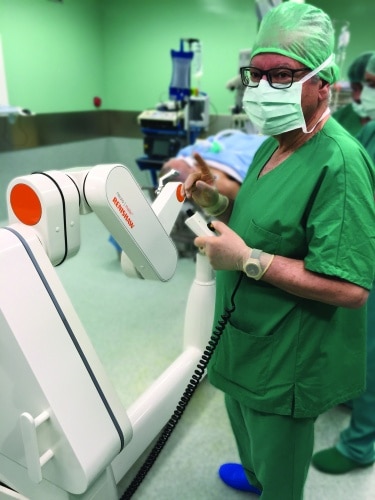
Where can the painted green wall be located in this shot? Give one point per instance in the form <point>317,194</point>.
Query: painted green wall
<point>58,56</point>
<point>53,53</point>
<point>139,39</point>
<point>361,16</point>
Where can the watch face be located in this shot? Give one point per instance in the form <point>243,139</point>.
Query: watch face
<point>252,269</point>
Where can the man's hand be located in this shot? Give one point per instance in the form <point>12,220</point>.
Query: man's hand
<point>227,251</point>
<point>200,185</point>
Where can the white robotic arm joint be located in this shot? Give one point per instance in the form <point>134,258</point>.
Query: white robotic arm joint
<point>51,203</point>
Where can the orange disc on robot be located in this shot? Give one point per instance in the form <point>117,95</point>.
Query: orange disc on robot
<point>25,204</point>
<point>179,193</point>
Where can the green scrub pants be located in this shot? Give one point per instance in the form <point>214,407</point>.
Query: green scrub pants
<point>275,450</point>
<point>357,441</point>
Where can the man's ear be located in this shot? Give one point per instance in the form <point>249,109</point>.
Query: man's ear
<point>324,90</point>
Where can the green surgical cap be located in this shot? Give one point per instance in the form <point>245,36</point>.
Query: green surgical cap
<point>356,71</point>
<point>299,31</point>
<point>370,66</point>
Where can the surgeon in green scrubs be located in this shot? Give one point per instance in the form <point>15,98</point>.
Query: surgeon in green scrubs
<point>294,256</point>
<point>355,448</point>
<point>353,116</point>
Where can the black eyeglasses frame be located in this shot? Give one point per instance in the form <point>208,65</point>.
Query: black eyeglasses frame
<point>269,78</point>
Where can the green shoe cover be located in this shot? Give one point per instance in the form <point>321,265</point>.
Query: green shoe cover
<point>332,461</point>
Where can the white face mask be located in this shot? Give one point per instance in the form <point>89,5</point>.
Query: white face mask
<point>368,101</point>
<point>358,109</point>
<point>276,111</point>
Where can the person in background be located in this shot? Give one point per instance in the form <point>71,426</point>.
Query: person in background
<point>294,256</point>
<point>368,92</point>
<point>356,445</point>
<point>367,138</point>
<point>352,116</point>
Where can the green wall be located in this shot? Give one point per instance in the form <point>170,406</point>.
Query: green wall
<point>53,53</point>
<point>139,39</point>
<point>58,56</point>
<point>361,16</point>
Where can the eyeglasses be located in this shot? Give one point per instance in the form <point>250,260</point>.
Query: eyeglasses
<point>278,78</point>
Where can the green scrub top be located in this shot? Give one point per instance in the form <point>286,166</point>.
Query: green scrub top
<point>348,118</point>
<point>280,353</point>
<point>367,138</point>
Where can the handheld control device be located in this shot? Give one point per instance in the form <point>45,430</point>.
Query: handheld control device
<point>198,224</point>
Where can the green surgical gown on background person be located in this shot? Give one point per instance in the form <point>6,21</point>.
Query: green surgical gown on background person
<point>281,353</point>
<point>357,440</point>
<point>366,136</point>
<point>348,118</point>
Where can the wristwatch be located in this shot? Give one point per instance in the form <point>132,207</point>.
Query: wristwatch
<point>252,267</point>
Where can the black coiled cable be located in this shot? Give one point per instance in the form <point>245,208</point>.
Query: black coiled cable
<point>185,398</point>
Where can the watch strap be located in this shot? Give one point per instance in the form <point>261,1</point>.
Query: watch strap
<point>255,253</point>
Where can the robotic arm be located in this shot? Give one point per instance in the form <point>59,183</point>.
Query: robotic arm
<point>62,423</point>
